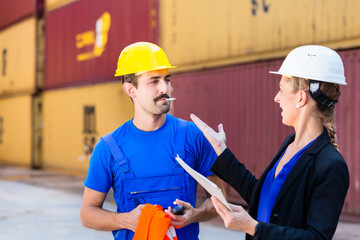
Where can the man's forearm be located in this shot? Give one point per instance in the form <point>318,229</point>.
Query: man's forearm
<point>101,219</point>
<point>206,209</point>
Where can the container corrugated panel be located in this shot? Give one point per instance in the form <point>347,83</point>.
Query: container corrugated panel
<point>206,33</point>
<point>241,97</point>
<point>13,11</point>
<point>18,58</point>
<point>348,131</point>
<point>84,39</point>
<point>51,5</point>
<point>75,119</point>
<point>15,130</point>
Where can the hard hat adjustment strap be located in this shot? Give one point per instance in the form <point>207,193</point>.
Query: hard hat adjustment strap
<point>318,95</point>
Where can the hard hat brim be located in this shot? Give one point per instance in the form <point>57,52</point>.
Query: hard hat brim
<point>118,74</point>
<point>340,82</point>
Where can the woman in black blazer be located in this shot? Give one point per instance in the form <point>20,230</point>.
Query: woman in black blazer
<point>301,193</point>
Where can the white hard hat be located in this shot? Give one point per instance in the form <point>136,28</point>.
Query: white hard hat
<point>314,62</point>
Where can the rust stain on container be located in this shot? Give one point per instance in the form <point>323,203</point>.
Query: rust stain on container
<point>84,39</point>
<point>241,97</point>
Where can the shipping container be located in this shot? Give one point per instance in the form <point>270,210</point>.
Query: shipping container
<point>14,11</point>
<point>84,39</point>
<point>16,130</point>
<point>348,130</point>
<point>18,58</point>
<point>51,5</point>
<point>242,98</point>
<point>198,34</point>
<point>75,119</point>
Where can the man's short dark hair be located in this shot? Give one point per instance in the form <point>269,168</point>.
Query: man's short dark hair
<point>131,78</point>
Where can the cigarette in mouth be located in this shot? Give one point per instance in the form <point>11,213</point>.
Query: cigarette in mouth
<point>170,99</point>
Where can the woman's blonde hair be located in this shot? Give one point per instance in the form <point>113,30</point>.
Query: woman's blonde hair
<point>325,113</point>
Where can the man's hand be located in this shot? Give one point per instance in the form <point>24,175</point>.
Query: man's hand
<point>204,212</point>
<point>179,221</point>
<point>93,216</point>
<point>133,218</point>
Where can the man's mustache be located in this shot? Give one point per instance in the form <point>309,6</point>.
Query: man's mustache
<point>161,96</point>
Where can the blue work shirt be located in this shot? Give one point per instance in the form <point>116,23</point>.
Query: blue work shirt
<point>152,174</point>
<point>271,187</point>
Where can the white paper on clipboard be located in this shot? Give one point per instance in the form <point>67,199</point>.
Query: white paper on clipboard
<point>209,186</point>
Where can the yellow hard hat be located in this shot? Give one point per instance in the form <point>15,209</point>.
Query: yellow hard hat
<point>141,57</point>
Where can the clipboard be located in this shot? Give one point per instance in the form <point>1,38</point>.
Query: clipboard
<point>209,186</point>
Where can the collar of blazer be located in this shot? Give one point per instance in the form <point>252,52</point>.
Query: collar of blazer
<point>303,161</point>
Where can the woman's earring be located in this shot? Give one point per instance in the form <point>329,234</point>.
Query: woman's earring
<point>297,106</point>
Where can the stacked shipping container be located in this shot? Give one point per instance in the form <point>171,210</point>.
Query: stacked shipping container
<point>241,97</point>
<point>224,50</point>
<point>202,34</point>
<point>84,39</point>
<point>18,65</point>
<point>75,118</point>
<point>19,79</point>
<point>221,35</point>
<point>348,117</point>
<point>82,98</point>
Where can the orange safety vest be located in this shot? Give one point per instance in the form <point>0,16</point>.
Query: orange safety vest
<point>154,224</point>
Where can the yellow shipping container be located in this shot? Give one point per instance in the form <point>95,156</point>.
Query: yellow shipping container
<point>18,58</point>
<point>15,130</point>
<point>203,33</point>
<point>54,4</point>
<point>75,119</point>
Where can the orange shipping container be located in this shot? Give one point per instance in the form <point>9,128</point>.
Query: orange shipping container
<point>18,58</point>
<point>197,34</point>
<point>75,119</point>
<point>16,130</point>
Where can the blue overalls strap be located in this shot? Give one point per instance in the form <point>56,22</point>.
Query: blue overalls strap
<point>180,138</point>
<point>117,154</point>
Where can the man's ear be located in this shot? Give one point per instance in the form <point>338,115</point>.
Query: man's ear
<point>129,88</point>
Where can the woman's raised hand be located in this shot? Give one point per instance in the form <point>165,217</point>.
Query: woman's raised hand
<point>216,139</point>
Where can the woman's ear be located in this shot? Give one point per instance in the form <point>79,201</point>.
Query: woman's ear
<point>129,88</point>
<point>303,98</point>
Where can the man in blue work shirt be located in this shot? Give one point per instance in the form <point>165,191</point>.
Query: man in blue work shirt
<point>137,160</point>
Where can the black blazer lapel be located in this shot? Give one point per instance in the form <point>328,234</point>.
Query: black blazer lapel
<point>295,171</point>
<point>303,161</point>
<point>256,195</point>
